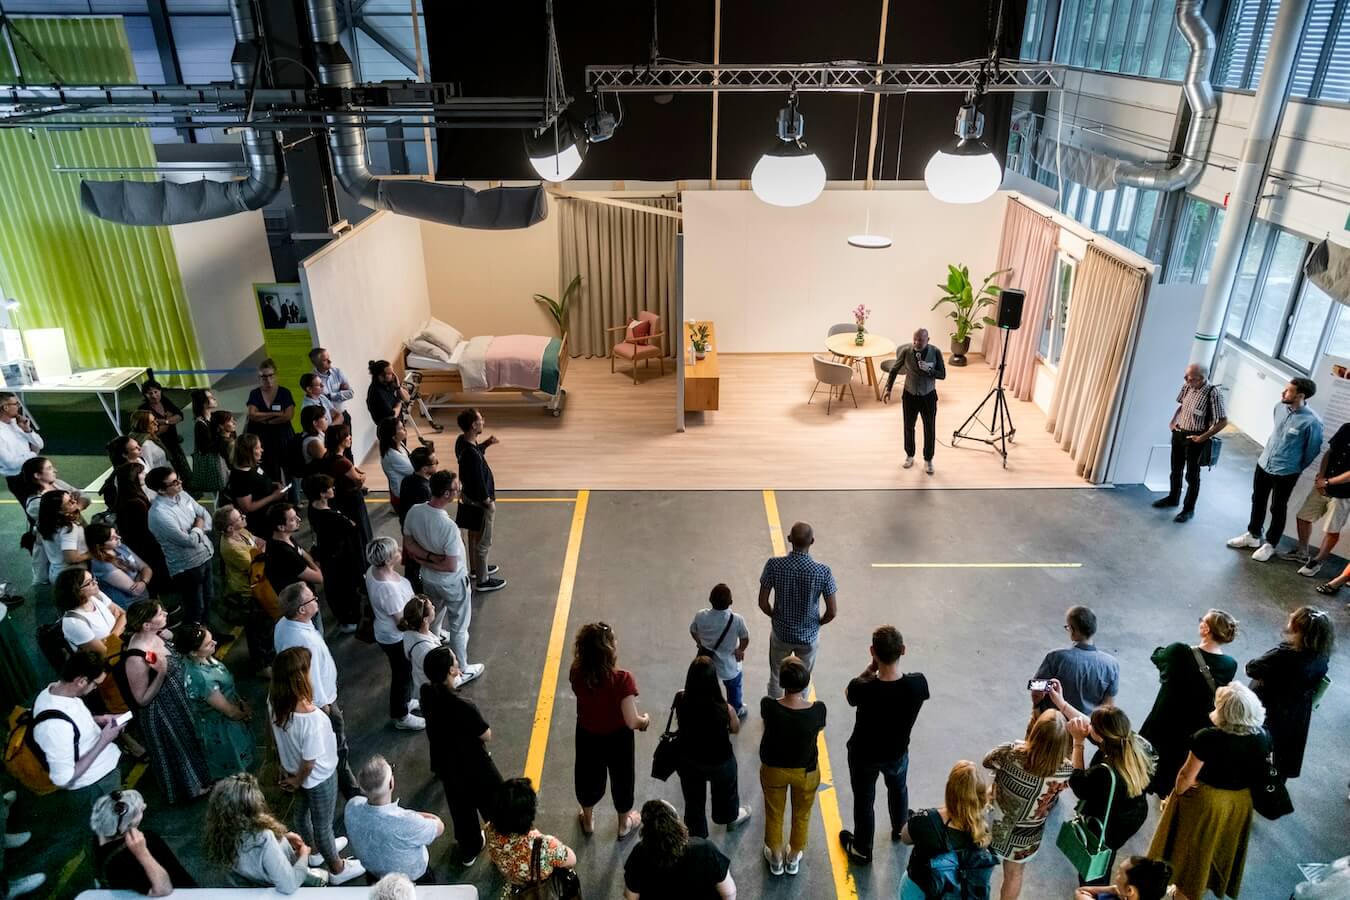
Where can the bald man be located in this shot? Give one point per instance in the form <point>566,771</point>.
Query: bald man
<point>922,366</point>
<point>1199,416</point>
<point>790,590</point>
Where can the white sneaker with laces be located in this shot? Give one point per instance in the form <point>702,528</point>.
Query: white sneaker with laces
<point>1264,552</point>
<point>316,859</point>
<point>908,463</point>
<point>1244,541</point>
<point>469,673</point>
<point>410,723</point>
<point>928,467</point>
<point>1310,568</point>
<point>25,885</point>
<point>742,816</point>
<point>793,864</point>
<point>775,864</point>
<point>352,869</point>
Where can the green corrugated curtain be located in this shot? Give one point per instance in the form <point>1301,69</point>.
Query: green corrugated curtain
<point>115,289</point>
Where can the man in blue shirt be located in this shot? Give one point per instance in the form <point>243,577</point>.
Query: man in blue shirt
<point>797,584</point>
<point>1293,445</point>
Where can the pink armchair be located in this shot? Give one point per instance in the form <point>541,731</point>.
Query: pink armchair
<point>641,343</point>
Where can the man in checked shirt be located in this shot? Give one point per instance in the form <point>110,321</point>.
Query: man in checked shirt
<point>1199,416</point>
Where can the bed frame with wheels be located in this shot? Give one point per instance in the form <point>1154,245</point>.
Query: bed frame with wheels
<point>444,389</point>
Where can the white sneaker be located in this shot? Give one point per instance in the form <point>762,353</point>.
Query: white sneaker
<point>928,467</point>
<point>25,885</point>
<point>16,839</point>
<point>793,864</point>
<point>352,869</point>
<point>742,816</point>
<point>908,463</point>
<point>1311,568</point>
<point>469,673</point>
<point>316,859</point>
<point>9,797</point>
<point>1264,552</point>
<point>775,864</point>
<point>1244,541</point>
<point>414,708</point>
<point>410,723</point>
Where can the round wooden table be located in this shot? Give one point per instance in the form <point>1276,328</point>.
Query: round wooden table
<point>874,345</point>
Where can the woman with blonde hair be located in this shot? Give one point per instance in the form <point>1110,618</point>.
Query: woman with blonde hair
<point>145,430</point>
<point>414,625</point>
<point>958,825</point>
<point>243,837</point>
<point>1207,821</point>
<point>1188,676</point>
<point>238,547</point>
<point>1028,778</point>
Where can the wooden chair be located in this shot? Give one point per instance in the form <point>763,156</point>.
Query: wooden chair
<point>643,347</point>
<point>833,375</point>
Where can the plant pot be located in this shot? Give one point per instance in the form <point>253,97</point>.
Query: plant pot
<point>860,338</point>
<point>959,351</point>
<point>699,354</point>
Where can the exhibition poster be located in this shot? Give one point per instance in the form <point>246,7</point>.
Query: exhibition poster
<point>283,311</point>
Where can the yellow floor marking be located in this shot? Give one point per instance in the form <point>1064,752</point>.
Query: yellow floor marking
<point>1028,565</point>
<point>828,795</point>
<point>557,642</point>
<point>499,500</point>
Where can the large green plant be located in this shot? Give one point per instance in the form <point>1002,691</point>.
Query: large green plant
<point>967,302</point>
<point>558,308</point>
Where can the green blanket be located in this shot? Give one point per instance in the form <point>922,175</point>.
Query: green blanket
<point>551,372</point>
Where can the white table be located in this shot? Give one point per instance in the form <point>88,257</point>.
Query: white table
<point>424,892</point>
<point>102,383</point>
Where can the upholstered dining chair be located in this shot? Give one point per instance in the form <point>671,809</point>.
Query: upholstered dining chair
<point>641,343</point>
<point>832,375</point>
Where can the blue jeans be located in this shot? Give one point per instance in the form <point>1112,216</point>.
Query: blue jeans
<point>734,694</point>
<point>196,587</point>
<point>862,776</point>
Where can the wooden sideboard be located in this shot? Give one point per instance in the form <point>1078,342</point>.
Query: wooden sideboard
<point>702,378</point>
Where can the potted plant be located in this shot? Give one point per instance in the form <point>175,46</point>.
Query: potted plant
<point>967,304</point>
<point>860,314</point>
<point>698,337</point>
<point>559,308</point>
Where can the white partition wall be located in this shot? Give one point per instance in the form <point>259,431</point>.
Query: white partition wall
<point>368,293</point>
<point>775,279</point>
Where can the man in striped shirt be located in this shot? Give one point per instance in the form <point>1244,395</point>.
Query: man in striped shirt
<point>1199,416</point>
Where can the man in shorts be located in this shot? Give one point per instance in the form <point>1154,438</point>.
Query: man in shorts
<point>1330,497</point>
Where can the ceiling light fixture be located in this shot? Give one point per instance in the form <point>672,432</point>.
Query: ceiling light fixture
<point>556,152</point>
<point>966,171</point>
<point>867,240</point>
<point>788,174</point>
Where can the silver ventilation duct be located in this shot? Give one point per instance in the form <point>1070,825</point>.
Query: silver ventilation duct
<point>449,204</point>
<point>1204,107</point>
<point>170,203</point>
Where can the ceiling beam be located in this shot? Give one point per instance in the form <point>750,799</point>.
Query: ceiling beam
<point>823,78</point>
<point>876,98</point>
<point>613,201</point>
<point>373,31</point>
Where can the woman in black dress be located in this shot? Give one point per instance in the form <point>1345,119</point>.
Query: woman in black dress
<point>270,411</point>
<point>707,722</point>
<point>339,554</point>
<point>207,474</point>
<point>249,486</point>
<point>167,415</point>
<point>348,481</point>
<point>133,523</point>
<point>1185,696</point>
<point>1286,680</point>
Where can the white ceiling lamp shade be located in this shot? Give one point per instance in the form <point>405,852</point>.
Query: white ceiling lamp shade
<point>967,171</point>
<point>557,152</point>
<point>788,174</point>
<point>868,240</point>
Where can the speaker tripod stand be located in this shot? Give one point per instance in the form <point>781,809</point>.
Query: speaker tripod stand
<point>1001,429</point>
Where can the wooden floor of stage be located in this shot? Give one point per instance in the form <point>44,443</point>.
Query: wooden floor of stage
<point>617,435</point>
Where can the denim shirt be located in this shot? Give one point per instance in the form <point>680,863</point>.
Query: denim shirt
<point>1294,443</point>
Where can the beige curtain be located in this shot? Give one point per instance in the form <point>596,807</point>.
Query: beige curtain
<point>626,260</point>
<point>1028,248</point>
<point>1108,295</point>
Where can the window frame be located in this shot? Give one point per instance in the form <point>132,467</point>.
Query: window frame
<point>1051,327</point>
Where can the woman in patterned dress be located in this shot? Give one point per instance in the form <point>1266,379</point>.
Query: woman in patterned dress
<point>1028,778</point>
<point>511,835</point>
<point>222,718</point>
<point>150,674</point>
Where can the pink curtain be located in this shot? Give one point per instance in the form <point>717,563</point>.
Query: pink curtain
<point>1028,249</point>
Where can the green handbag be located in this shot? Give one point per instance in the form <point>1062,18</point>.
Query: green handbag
<point>1083,839</point>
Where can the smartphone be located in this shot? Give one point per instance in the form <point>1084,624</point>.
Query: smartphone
<point>123,719</point>
<point>1038,684</point>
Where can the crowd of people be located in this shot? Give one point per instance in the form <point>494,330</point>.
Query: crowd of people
<point>122,645</point>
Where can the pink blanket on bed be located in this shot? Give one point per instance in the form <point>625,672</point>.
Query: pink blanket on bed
<point>516,360</point>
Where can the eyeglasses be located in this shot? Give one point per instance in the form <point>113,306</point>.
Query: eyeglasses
<point>120,807</point>
<point>88,583</point>
<point>175,483</point>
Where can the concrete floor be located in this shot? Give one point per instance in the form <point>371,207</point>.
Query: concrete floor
<point>647,561</point>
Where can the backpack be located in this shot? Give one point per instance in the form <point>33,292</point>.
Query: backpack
<point>24,759</point>
<point>959,873</point>
<point>52,642</point>
<point>261,588</point>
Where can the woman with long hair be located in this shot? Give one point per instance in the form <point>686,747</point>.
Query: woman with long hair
<point>314,425</point>
<point>222,717</point>
<point>271,408</point>
<point>89,620</point>
<point>348,481</point>
<point>394,455</point>
<point>224,431</point>
<point>789,764</point>
<point>60,527</point>
<point>959,824</point>
<point>252,489</point>
<point>38,476</point>
<point>244,838</point>
<point>1207,820</point>
<point>133,523</point>
<point>307,748</point>
<point>145,431</point>
<point>1285,680</point>
<point>150,676</point>
<point>414,625</point>
<point>123,576</point>
<point>238,547</point>
<point>389,592</point>
<point>167,416</point>
<point>668,862</point>
<point>338,550</point>
<point>607,716</point>
<point>1188,676</point>
<point>208,475</point>
<point>511,836</point>
<point>121,449</point>
<point>707,722</point>
<point>1028,778</point>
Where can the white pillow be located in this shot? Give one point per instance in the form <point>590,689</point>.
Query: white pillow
<point>428,349</point>
<point>442,335</point>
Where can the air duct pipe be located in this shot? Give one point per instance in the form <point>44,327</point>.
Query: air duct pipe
<point>170,203</point>
<point>1199,94</point>
<point>449,204</point>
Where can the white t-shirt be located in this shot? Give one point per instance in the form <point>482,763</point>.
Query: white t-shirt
<point>82,626</point>
<point>416,646</point>
<point>68,538</point>
<point>397,466</point>
<point>435,532</point>
<point>307,736</point>
<point>153,455</point>
<point>54,737</point>
<point>387,599</point>
<point>707,627</point>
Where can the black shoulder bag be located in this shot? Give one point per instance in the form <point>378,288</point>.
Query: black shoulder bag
<point>666,757</point>
<point>561,884</point>
<point>1209,454</point>
<point>712,651</point>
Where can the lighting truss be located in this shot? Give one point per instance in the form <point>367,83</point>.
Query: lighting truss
<point>834,77</point>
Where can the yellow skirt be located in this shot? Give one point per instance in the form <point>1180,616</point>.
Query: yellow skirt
<point>1203,834</point>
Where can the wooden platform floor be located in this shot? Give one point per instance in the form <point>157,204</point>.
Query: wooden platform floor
<point>617,435</point>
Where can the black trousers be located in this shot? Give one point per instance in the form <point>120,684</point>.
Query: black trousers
<point>196,587</point>
<point>726,799</point>
<point>1273,490</point>
<point>599,755</point>
<point>470,798</point>
<point>862,776</point>
<point>400,679</point>
<point>915,407</point>
<point>1186,456</point>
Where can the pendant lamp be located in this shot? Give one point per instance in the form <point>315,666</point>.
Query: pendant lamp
<point>966,171</point>
<point>788,174</point>
<point>556,153</point>
<point>867,240</point>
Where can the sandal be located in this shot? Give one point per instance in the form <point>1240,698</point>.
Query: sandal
<point>587,825</point>
<point>630,824</point>
<point>1328,589</point>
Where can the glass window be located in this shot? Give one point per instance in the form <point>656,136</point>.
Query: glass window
<point>1124,213</point>
<point>1102,221</point>
<point>1236,46</point>
<point>1083,35</point>
<point>1115,38</point>
<point>1088,208</point>
<point>1100,27</point>
<point>1191,230</point>
<point>1336,83</point>
<point>1158,34</point>
<point>1244,287</point>
<point>1031,31</point>
<point>1143,221</point>
<point>1310,319</point>
<point>1071,198</point>
<point>1277,288</point>
<point>1138,37</point>
<point>1056,318</point>
<point>1178,54</point>
<point>1065,30</point>
<point>1312,46</point>
<point>1211,246</point>
<point>1262,43</point>
<point>1339,345</point>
